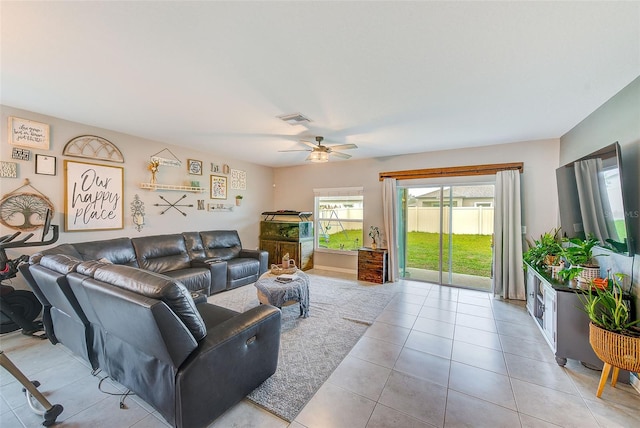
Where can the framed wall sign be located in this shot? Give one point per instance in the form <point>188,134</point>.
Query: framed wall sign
<point>218,187</point>
<point>27,133</point>
<point>45,164</point>
<point>238,179</point>
<point>194,167</point>
<point>20,154</point>
<point>8,169</point>
<point>93,196</point>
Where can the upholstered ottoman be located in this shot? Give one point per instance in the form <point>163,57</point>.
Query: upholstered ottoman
<point>273,292</point>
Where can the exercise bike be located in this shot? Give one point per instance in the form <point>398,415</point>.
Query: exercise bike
<point>12,305</point>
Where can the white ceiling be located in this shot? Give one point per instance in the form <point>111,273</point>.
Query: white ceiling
<point>392,77</point>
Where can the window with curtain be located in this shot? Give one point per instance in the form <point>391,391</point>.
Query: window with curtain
<point>339,214</point>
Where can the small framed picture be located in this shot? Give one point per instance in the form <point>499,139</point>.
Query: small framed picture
<point>20,154</point>
<point>45,164</point>
<point>9,169</point>
<point>218,187</point>
<point>194,167</point>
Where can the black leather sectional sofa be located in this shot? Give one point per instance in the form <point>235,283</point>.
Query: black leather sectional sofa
<point>190,361</point>
<point>208,262</point>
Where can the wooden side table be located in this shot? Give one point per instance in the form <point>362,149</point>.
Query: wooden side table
<point>372,265</point>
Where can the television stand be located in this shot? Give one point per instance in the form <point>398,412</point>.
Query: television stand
<point>557,310</point>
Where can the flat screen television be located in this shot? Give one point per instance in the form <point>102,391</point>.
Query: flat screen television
<point>591,199</point>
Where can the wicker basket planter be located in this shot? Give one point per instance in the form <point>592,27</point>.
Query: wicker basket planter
<point>615,350</point>
<point>588,274</point>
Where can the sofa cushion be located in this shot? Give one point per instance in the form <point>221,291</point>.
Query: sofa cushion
<point>222,244</point>
<point>89,267</point>
<point>161,253</point>
<point>67,249</point>
<point>118,251</point>
<point>156,286</point>
<point>193,244</point>
<point>241,268</point>
<point>195,279</point>
<point>60,263</point>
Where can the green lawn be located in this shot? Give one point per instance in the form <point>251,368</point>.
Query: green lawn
<point>347,240</point>
<point>471,253</point>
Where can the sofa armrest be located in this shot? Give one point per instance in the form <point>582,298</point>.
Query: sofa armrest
<point>260,255</point>
<point>236,356</point>
<point>218,270</point>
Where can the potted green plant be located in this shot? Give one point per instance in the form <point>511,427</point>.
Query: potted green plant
<point>570,275</point>
<point>545,251</point>
<point>238,200</point>
<point>607,309</point>
<point>579,253</point>
<point>613,335</point>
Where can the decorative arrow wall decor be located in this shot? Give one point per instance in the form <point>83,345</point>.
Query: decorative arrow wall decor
<point>174,205</point>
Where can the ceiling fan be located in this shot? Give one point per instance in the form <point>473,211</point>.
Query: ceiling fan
<point>320,152</point>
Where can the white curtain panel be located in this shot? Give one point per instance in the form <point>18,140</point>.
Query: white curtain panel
<point>390,219</point>
<point>508,281</point>
<point>592,198</point>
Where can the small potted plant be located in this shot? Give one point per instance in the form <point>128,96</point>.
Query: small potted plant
<point>570,275</point>
<point>238,200</point>
<point>374,234</point>
<point>613,335</point>
<point>580,254</point>
<point>545,251</point>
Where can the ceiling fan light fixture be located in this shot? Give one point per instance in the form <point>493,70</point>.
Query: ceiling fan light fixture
<point>319,157</point>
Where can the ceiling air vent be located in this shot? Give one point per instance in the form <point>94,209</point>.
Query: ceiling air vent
<point>294,119</point>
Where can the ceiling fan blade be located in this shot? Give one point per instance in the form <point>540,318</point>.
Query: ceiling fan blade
<point>340,155</point>
<point>343,147</point>
<point>295,150</point>
<point>309,143</point>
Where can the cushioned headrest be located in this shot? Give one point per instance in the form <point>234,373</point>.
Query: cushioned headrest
<point>156,286</point>
<point>60,263</point>
<point>67,249</point>
<point>89,267</point>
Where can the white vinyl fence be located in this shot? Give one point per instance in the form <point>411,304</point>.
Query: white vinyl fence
<point>466,220</point>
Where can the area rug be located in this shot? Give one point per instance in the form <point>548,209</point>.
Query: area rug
<point>311,348</point>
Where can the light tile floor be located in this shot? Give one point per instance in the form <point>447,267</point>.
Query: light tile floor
<point>436,357</point>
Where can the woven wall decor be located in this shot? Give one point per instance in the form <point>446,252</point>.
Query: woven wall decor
<point>93,147</point>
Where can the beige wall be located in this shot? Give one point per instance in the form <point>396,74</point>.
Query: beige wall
<point>294,185</point>
<point>257,198</point>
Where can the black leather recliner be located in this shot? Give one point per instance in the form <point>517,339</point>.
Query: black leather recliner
<point>63,318</point>
<point>190,362</point>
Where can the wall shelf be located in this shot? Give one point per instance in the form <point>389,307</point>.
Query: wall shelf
<point>155,186</point>
<point>220,207</point>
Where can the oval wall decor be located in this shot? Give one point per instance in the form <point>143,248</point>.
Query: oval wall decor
<point>93,147</point>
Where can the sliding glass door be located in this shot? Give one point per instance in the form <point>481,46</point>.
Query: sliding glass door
<point>446,234</point>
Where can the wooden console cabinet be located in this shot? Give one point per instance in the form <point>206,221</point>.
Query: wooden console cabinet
<point>372,265</point>
<point>284,234</point>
